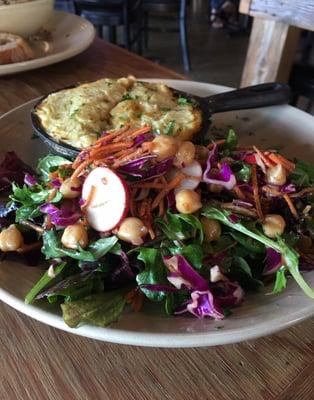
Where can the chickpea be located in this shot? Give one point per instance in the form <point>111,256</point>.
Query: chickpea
<point>273,225</point>
<point>188,201</point>
<point>276,175</point>
<point>67,188</point>
<point>74,236</point>
<point>164,146</point>
<point>132,230</point>
<point>212,229</point>
<point>11,239</point>
<point>185,154</point>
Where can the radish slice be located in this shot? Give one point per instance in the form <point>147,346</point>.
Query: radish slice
<point>110,199</point>
<point>194,174</point>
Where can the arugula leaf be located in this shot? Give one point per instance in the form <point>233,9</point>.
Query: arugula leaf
<point>303,174</point>
<point>103,246</point>
<point>49,164</point>
<point>169,128</point>
<point>43,282</point>
<point>99,309</point>
<point>247,242</point>
<point>181,226</point>
<point>192,252</point>
<point>26,212</point>
<point>28,196</point>
<point>154,272</point>
<point>52,248</point>
<point>231,140</point>
<point>244,174</point>
<point>281,280</point>
<point>290,256</point>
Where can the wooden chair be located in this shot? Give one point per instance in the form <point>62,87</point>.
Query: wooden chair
<point>176,9</point>
<point>113,13</point>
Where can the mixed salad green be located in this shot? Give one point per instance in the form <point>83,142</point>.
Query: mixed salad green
<point>140,217</point>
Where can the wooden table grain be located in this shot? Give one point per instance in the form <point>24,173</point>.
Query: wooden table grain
<point>39,362</point>
<point>274,38</point>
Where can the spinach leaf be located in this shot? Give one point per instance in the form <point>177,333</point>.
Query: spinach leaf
<point>43,282</point>
<point>154,272</point>
<point>183,101</point>
<point>98,309</point>
<point>49,164</point>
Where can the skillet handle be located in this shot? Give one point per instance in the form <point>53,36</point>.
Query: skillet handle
<point>266,94</point>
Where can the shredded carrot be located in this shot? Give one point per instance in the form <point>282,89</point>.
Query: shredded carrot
<point>278,159</point>
<point>256,194</point>
<point>148,185</point>
<point>133,208</point>
<point>80,168</point>
<point>239,193</point>
<point>291,205</point>
<point>130,134</point>
<point>53,175</point>
<point>130,295</point>
<point>217,143</point>
<point>110,136</point>
<point>171,185</point>
<point>135,298</point>
<point>142,208</point>
<point>52,195</point>
<point>110,148</point>
<point>271,190</point>
<point>132,156</point>
<point>90,196</point>
<point>48,223</point>
<point>302,192</point>
<point>161,211</point>
<point>266,161</point>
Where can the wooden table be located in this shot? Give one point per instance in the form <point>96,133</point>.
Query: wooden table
<point>274,38</point>
<point>41,363</point>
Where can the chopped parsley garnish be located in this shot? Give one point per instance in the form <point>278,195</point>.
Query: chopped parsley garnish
<point>169,128</point>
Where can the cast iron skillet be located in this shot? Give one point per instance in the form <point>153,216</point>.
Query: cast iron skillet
<point>267,94</point>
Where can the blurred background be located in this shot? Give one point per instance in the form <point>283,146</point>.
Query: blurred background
<point>206,40</point>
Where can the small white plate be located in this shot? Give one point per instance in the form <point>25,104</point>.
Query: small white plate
<point>259,315</point>
<point>71,35</point>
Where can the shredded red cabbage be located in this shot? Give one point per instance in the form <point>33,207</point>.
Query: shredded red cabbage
<point>183,275</point>
<point>68,214</point>
<point>30,180</point>
<point>202,305</point>
<point>273,261</point>
<point>224,178</point>
<point>12,169</point>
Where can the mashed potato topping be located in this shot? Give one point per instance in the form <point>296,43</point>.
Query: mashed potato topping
<point>78,116</point>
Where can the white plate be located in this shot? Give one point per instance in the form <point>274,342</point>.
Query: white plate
<point>71,35</point>
<point>260,315</point>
